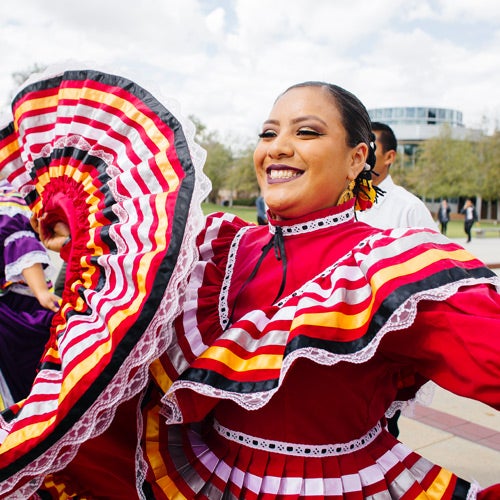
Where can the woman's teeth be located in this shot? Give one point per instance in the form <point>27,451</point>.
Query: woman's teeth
<point>283,174</point>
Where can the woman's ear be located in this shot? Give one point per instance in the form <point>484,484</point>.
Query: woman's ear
<point>359,155</point>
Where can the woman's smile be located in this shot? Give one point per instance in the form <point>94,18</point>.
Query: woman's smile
<point>282,173</point>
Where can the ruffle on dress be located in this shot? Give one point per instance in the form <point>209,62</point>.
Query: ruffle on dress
<point>203,464</point>
<point>101,153</point>
<point>340,315</point>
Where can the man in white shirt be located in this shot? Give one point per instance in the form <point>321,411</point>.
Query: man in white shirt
<point>397,207</point>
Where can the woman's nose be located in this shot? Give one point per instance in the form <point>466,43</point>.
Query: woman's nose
<point>281,146</point>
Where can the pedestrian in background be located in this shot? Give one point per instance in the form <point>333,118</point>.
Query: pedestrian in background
<point>444,215</point>
<point>396,208</point>
<point>470,213</point>
<point>261,211</point>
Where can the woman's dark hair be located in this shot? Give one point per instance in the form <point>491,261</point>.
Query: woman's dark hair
<point>355,118</point>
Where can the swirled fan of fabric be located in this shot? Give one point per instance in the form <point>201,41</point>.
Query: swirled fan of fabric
<point>102,153</point>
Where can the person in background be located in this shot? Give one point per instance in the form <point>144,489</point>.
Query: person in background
<point>443,215</point>
<point>470,217</point>
<point>27,304</point>
<point>397,207</point>
<point>261,211</point>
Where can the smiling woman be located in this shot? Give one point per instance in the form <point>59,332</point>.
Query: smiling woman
<point>305,159</point>
<point>288,346</point>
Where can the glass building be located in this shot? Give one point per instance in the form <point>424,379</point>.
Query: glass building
<point>417,116</point>
<point>412,125</point>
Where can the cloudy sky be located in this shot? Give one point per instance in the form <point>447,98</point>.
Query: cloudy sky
<point>226,60</point>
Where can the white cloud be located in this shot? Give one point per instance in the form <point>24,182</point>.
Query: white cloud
<point>216,21</point>
<point>226,61</point>
<point>420,11</point>
<point>470,12</point>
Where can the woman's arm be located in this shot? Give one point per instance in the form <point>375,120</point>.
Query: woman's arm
<point>35,279</point>
<point>455,343</point>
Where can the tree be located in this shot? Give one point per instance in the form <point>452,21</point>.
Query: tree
<point>445,167</point>
<point>219,158</point>
<point>488,178</point>
<point>242,177</point>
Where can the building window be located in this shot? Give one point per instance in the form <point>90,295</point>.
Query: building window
<point>410,112</point>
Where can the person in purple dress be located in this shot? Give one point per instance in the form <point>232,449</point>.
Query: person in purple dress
<point>27,304</point>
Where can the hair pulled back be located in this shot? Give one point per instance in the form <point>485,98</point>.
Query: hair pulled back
<point>354,115</point>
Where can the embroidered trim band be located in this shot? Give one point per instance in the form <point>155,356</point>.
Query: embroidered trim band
<point>300,450</point>
<point>315,224</point>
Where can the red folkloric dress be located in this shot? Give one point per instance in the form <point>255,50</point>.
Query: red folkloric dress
<point>285,397</point>
<point>274,366</point>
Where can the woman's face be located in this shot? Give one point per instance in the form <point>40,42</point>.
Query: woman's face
<point>302,161</point>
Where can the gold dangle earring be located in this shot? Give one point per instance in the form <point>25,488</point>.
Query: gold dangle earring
<point>348,193</point>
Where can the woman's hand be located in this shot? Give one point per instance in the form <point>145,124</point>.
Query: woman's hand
<point>49,300</point>
<point>57,237</point>
<point>53,237</point>
<point>35,279</point>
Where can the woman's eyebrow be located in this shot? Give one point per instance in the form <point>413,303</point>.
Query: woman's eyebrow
<point>308,117</point>
<point>298,120</point>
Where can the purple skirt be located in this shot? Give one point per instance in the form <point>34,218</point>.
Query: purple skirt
<point>24,331</point>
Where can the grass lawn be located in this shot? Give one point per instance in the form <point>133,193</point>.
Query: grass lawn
<point>455,227</point>
<point>246,213</point>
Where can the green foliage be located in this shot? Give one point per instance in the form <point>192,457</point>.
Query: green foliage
<point>242,179</point>
<point>489,178</point>
<point>219,160</point>
<point>447,167</point>
<point>226,170</point>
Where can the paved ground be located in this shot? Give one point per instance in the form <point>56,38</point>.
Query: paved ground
<point>454,432</point>
<point>486,249</point>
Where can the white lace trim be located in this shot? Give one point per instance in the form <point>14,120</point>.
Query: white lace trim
<point>315,224</point>
<point>14,270</point>
<point>474,489</point>
<point>295,449</point>
<point>423,397</point>
<point>78,142</point>
<point>133,375</point>
<point>17,235</point>
<point>400,320</point>
<point>226,282</point>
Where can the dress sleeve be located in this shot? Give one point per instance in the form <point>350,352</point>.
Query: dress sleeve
<point>199,323</point>
<point>455,343</point>
<point>21,247</point>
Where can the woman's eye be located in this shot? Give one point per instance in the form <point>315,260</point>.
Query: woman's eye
<point>308,132</point>
<point>267,133</point>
